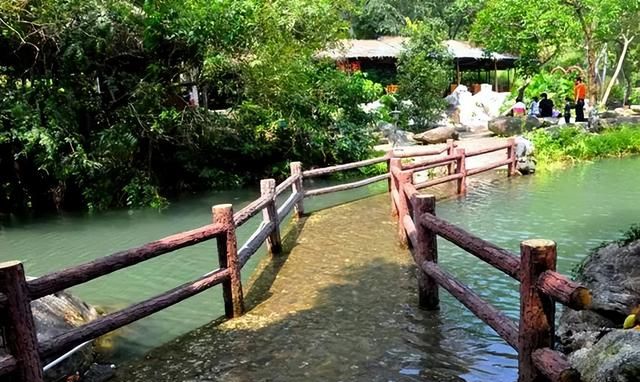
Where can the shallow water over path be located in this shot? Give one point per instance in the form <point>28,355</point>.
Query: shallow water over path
<point>342,305</point>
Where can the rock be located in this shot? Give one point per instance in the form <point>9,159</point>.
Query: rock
<point>548,121</point>
<point>608,114</point>
<point>437,135</point>
<point>395,136</point>
<point>618,121</point>
<point>612,273</point>
<point>620,111</point>
<point>56,314</point>
<point>99,373</point>
<point>524,152</point>
<point>614,358</point>
<point>508,126</point>
<point>635,109</point>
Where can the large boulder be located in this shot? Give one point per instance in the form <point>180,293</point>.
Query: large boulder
<point>56,314</point>
<point>618,121</point>
<point>598,348</point>
<point>508,126</point>
<point>437,135</point>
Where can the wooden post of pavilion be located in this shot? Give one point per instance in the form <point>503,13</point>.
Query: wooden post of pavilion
<point>495,72</point>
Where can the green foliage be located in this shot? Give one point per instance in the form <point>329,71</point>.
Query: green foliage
<point>94,109</point>
<point>536,33</point>
<point>574,144</point>
<point>423,73</point>
<point>390,17</point>
<point>557,86</point>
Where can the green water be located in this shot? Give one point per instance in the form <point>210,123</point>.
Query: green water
<point>47,244</point>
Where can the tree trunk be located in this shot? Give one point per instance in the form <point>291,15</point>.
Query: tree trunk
<point>623,55</point>
<point>592,80</point>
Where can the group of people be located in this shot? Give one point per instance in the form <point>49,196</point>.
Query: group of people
<point>543,107</point>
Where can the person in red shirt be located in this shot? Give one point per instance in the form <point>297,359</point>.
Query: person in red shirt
<point>580,92</point>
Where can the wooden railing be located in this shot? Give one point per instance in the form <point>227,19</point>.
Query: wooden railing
<point>540,285</point>
<point>26,355</point>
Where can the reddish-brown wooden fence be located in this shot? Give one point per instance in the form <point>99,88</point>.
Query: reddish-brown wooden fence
<point>25,355</point>
<point>416,221</point>
<point>540,285</point>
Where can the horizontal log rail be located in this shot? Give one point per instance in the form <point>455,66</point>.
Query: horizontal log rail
<point>436,181</point>
<point>429,163</point>
<point>250,210</point>
<point>561,289</point>
<point>287,183</point>
<point>60,280</point>
<point>112,321</point>
<point>346,186</point>
<point>418,152</point>
<point>486,150</point>
<point>254,242</point>
<point>498,321</point>
<point>289,205</point>
<point>410,228</point>
<point>478,170</point>
<point>554,365</point>
<point>342,167</point>
<point>499,258</point>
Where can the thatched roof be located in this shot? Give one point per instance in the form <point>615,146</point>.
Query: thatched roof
<point>463,52</point>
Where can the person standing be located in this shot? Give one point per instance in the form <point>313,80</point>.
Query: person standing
<point>580,92</point>
<point>567,110</point>
<point>545,106</point>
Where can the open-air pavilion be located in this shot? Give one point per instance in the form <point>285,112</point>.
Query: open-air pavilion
<point>383,53</point>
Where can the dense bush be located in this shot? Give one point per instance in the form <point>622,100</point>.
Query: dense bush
<point>94,110</point>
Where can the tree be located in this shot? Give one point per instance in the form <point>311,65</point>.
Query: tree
<point>93,106</point>
<point>389,17</point>
<point>423,73</point>
<point>538,33</point>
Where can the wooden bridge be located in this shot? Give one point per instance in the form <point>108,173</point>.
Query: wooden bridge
<point>418,227</point>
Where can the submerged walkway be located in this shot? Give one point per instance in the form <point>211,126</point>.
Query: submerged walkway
<point>341,306</point>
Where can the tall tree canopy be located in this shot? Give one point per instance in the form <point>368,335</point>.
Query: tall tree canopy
<point>94,109</point>
<point>389,17</point>
<point>540,32</point>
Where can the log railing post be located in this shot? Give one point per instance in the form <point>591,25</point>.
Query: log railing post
<point>401,179</point>
<point>296,169</point>
<point>461,168</point>
<point>395,166</point>
<point>426,250</point>
<point>20,331</point>
<point>390,180</point>
<point>537,310</point>
<point>450,150</point>
<point>270,214</point>
<point>511,154</point>
<point>228,257</point>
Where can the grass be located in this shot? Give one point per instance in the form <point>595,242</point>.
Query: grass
<point>565,146</point>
